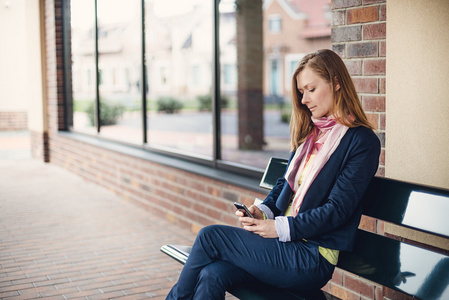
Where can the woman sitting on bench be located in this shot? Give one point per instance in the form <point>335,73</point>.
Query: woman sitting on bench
<point>313,211</point>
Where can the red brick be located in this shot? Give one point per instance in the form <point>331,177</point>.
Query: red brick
<point>337,277</point>
<point>373,119</point>
<point>383,86</point>
<point>346,34</point>
<point>366,85</point>
<point>374,67</point>
<point>362,49</point>
<point>382,121</point>
<point>343,293</point>
<point>383,13</point>
<point>340,49</point>
<point>368,224</point>
<point>382,48</point>
<point>378,293</point>
<point>374,31</point>
<point>362,15</point>
<point>382,157</point>
<point>373,103</point>
<point>367,2</point>
<point>327,288</point>
<point>336,4</point>
<point>338,17</point>
<point>381,226</point>
<point>354,67</point>
<point>358,285</point>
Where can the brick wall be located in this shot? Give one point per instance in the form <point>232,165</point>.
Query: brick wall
<point>358,36</point>
<point>189,200</point>
<point>13,120</point>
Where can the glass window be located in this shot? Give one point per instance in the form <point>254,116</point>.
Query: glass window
<point>255,68</point>
<point>120,62</point>
<point>83,65</point>
<point>179,41</point>
<point>252,126</point>
<point>274,24</point>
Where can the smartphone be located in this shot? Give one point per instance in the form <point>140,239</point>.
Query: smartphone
<point>244,209</point>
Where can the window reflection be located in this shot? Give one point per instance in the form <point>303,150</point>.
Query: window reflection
<point>276,34</point>
<point>83,64</point>
<point>179,37</point>
<point>260,43</point>
<point>120,48</point>
<point>436,208</point>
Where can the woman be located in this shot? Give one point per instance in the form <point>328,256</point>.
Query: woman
<point>313,211</point>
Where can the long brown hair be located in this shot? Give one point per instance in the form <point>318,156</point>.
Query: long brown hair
<point>345,106</point>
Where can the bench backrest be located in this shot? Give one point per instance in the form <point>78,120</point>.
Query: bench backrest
<point>411,205</point>
<point>423,273</point>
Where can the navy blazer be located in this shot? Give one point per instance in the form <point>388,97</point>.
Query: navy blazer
<point>331,210</point>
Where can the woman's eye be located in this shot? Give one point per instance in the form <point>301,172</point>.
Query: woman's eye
<point>311,90</point>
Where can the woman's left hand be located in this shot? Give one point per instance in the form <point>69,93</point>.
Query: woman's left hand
<point>264,228</point>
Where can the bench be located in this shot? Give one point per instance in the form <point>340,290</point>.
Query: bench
<point>412,268</point>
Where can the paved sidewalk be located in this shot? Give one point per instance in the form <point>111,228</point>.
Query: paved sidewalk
<point>62,237</point>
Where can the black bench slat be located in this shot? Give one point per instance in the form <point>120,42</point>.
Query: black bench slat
<point>415,206</point>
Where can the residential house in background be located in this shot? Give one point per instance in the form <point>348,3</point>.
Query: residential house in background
<point>292,28</point>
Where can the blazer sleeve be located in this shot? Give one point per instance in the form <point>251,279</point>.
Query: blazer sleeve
<point>360,165</point>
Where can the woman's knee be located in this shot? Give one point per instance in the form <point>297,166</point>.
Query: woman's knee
<point>209,233</point>
<point>218,274</point>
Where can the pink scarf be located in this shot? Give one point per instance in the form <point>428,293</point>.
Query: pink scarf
<point>333,132</point>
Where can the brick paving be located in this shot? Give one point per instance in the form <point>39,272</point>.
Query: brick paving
<point>62,237</point>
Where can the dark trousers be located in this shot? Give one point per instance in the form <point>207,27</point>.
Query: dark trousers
<point>224,256</point>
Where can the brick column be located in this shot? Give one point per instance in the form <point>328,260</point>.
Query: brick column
<point>55,64</point>
<point>358,36</point>
<point>250,74</point>
<point>54,78</point>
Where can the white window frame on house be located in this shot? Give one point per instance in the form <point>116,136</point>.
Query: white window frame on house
<point>275,23</point>
<point>289,69</point>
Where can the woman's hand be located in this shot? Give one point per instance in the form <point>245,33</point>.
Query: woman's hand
<point>264,228</point>
<point>254,210</point>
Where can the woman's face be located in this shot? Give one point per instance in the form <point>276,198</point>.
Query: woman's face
<point>316,93</point>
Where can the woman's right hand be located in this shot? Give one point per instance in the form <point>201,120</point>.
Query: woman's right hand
<point>254,210</point>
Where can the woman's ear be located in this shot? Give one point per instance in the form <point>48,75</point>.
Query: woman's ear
<point>337,84</point>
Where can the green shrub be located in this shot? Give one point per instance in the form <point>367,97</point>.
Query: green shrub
<point>169,105</point>
<point>109,112</point>
<point>81,105</point>
<point>285,116</point>
<point>205,102</point>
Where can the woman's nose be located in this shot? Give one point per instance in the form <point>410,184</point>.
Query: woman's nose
<point>304,99</point>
